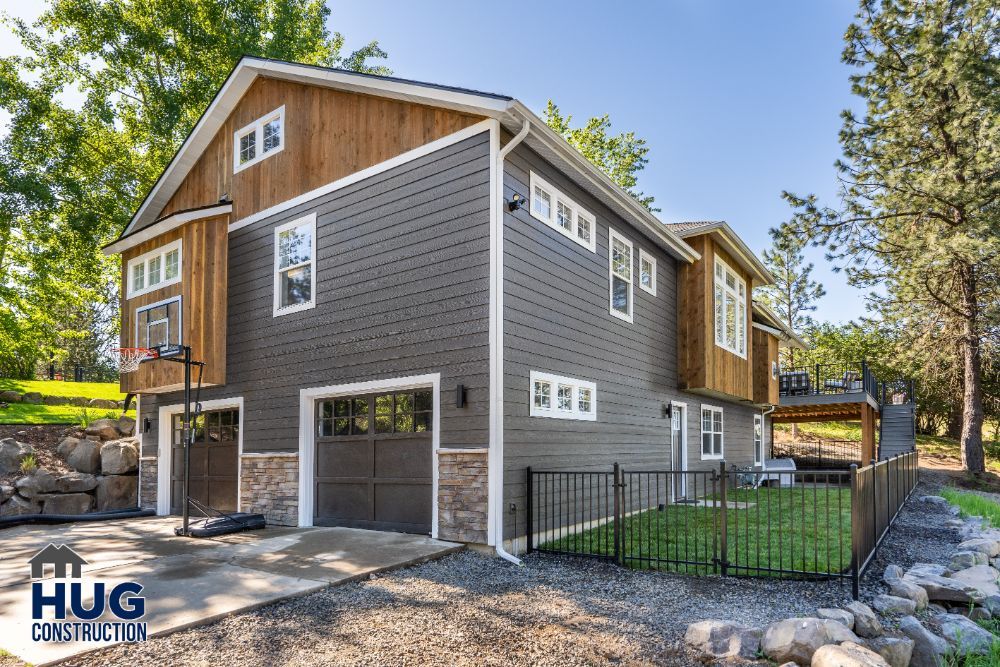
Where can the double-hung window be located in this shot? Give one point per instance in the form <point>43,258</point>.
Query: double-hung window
<point>561,213</point>
<point>758,440</point>
<point>647,272</point>
<point>260,139</point>
<point>562,398</point>
<point>620,275</point>
<point>711,432</point>
<point>295,265</point>
<point>730,309</point>
<point>155,269</point>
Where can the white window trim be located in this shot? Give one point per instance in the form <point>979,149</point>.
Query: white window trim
<point>554,412</point>
<point>722,440</point>
<point>180,318</point>
<point>257,127</point>
<point>143,259</point>
<point>298,222</point>
<point>643,255</point>
<point>612,235</point>
<point>757,419</point>
<point>736,295</point>
<point>555,196</point>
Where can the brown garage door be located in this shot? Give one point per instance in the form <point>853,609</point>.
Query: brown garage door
<point>374,461</point>
<point>214,461</point>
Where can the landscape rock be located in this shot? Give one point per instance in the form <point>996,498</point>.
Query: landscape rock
<point>928,648</point>
<point>11,453</point>
<point>797,639</point>
<point>126,425</point>
<point>934,500</point>
<point>932,569</point>
<point>31,397</point>
<point>939,587</point>
<point>119,457</point>
<point>866,623</point>
<point>6,491</point>
<point>910,591</point>
<point>76,482</point>
<point>986,545</point>
<point>963,559</point>
<point>980,614</point>
<point>18,506</point>
<point>66,447</point>
<point>723,639</point>
<point>55,400</point>
<point>107,429</point>
<point>79,401</point>
<point>37,483</point>
<point>954,523</point>
<point>117,492</point>
<point>981,577</point>
<point>847,654</point>
<point>935,608</point>
<point>66,503</point>
<point>10,397</point>
<point>85,457</point>
<point>897,651</point>
<point>102,403</point>
<point>892,573</point>
<point>894,606</point>
<point>839,615</point>
<point>992,603</point>
<point>967,636</point>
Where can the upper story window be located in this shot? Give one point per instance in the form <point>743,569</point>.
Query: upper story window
<point>295,266</point>
<point>647,272</point>
<point>711,432</point>
<point>730,309</point>
<point>562,214</point>
<point>154,269</point>
<point>620,275</point>
<point>260,139</point>
<point>562,398</point>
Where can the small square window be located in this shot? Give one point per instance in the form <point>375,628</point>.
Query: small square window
<point>261,138</point>
<point>139,276</point>
<point>154,271</point>
<point>585,400</point>
<point>542,203</point>
<point>565,397</point>
<point>272,134</point>
<point>647,272</point>
<point>172,266</point>
<point>543,395</point>
<point>564,216</point>
<point>574,399</point>
<point>248,147</point>
<point>584,229</point>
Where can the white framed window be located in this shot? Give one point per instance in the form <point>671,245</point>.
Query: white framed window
<point>295,265</point>
<point>730,309</point>
<point>647,272</point>
<point>758,440</point>
<point>774,370</point>
<point>154,270</point>
<point>158,324</point>
<point>562,398</point>
<point>561,213</point>
<point>620,275</point>
<point>260,139</point>
<point>711,432</point>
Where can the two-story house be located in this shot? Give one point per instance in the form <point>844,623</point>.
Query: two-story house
<point>404,294</point>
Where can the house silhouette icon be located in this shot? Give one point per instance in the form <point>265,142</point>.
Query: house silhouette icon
<point>58,557</point>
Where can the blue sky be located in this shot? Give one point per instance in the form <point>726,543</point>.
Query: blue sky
<point>737,100</point>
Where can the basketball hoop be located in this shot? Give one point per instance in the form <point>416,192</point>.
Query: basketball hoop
<point>129,358</point>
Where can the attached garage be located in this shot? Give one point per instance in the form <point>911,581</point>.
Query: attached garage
<point>374,461</point>
<point>214,461</point>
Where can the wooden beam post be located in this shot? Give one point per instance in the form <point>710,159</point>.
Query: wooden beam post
<point>867,432</point>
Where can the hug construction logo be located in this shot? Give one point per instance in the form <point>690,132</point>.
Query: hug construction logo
<point>81,610</point>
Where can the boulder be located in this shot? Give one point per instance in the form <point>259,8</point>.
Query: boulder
<point>935,608</point>
<point>981,577</point>
<point>892,573</point>
<point>76,482</point>
<point>66,503</point>
<point>941,501</point>
<point>79,401</point>
<point>980,614</point>
<point>126,425</point>
<point>723,639</point>
<point>847,654</point>
<point>10,397</point>
<point>11,453</point>
<point>967,636</point>
<point>31,397</point>
<point>66,447</point>
<point>37,483</point>
<point>963,559</point>
<point>928,649</point>
<point>866,623</point>
<point>954,523</point>
<point>119,458</point>
<point>939,587</point>
<point>932,569</point>
<point>992,603</point>
<point>796,639</point>
<point>985,545</point>
<point>897,651</point>
<point>117,492</point>
<point>890,605</point>
<point>18,506</point>
<point>107,429</point>
<point>839,615</point>
<point>6,491</point>
<point>910,591</point>
<point>102,403</point>
<point>55,400</point>
<point>86,457</point>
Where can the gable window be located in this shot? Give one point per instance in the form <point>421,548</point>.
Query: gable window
<point>561,213</point>
<point>562,398</point>
<point>260,139</point>
<point>158,325</point>
<point>758,439</point>
<point>711,432</point>
<point>294,266</point>
<point>620,275</point>
<point>730,309</point>
<point>155,269</point>
<point>647,272</point>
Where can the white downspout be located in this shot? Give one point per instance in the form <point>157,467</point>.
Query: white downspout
<point>763,414</point>
<point>496,387</point>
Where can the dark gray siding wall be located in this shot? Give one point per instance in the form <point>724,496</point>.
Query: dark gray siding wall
<point>402,289</point>
<point>556,320</point>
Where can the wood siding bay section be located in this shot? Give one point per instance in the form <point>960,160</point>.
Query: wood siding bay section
<point>765,352</point>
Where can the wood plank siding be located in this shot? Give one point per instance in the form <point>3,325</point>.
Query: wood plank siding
<point>765,353</point>
<point>328,134</point>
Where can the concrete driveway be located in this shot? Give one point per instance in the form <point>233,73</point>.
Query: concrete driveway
<point>188,582</point>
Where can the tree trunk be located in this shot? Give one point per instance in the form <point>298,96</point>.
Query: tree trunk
<point>973,458</point>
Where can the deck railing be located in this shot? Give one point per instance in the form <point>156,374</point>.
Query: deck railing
<point>819,379</point>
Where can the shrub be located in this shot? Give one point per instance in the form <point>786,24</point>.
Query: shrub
<point>85,417</point>
<point>29,464</point>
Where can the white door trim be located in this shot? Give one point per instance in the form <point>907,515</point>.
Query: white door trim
<point>307,434</point>
<point>164,445</point>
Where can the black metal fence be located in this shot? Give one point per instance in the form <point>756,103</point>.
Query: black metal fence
<point>819,454</point>
<point>800,524</point>
<point>79,373</point>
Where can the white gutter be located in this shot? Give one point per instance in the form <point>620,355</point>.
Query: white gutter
<point>496,336</point>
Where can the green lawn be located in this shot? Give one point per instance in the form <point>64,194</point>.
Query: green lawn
<point>107,390</point>
<point>805,529</point>
<point>973,504</point>
<point>27,413</point>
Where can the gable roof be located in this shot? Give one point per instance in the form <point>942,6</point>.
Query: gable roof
<point>511,114</point>
<point>775,325</point>
<point>732,241</point>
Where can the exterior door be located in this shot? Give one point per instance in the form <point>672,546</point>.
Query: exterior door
<point>214,461</point>
<point>374,461</point>
<point>678,450</point>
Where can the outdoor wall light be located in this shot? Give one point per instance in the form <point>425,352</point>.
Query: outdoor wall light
<point>460,396</point>
<point>146,424</point>
<point>668,410</point>
<point>516,202</point>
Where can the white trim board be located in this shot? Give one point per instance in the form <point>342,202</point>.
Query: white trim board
<point>165,225</point>
<point>164,445</point>
<point>307,434</point>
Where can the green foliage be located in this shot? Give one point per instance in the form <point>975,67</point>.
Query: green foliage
<point>621,156</point>
<point>795,293</point>
<point>973,504</point>
<point>29,464</point>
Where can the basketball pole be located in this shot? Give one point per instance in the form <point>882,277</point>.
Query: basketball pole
<point>187,439</point>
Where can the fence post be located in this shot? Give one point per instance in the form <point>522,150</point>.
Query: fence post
<point>52,371</point>
<point>617,487</point>
<point>874,502</point>
<point>531,521</point>
<point>817,379</point>
<point>723,520</point>
<point>855,535</point>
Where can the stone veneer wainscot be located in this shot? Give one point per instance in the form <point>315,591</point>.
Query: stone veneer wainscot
<point>147,482</point>
<point>463,493</point>
<point>269,485</point>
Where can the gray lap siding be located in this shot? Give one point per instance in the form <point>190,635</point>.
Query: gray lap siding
<point>557,320</point>
<point>402,288</point>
